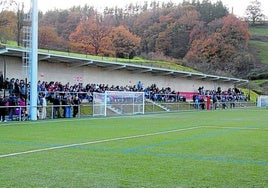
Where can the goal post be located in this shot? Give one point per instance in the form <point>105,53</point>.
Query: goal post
<point>262,101</point>
<point>118,103</point>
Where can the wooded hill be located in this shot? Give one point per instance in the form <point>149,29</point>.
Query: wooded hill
<point>200,35</point>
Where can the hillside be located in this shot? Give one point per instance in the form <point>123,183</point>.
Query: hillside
<point>258,47</point>
<point>168,35</point>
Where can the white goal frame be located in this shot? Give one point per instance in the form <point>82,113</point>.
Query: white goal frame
<point>118,103</point>
<point>262,101</point>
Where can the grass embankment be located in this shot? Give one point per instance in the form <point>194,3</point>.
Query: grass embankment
<point>175,65</point>
<point>260,46</point>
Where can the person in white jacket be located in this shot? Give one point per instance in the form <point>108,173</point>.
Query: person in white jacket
<point>44,107</point>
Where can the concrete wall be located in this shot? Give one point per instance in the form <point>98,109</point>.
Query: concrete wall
<point>64,73</point>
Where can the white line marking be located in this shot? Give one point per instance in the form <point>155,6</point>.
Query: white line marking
<point>96,142</point>
<point>239,128</point>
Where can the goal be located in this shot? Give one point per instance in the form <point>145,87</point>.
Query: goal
<point>262,101</point>
<point>118,103</point>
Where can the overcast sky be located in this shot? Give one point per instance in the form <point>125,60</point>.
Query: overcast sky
<point>238,6</point>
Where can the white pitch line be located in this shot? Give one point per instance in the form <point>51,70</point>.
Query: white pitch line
<point>240,128</point>
<point>96,142</point>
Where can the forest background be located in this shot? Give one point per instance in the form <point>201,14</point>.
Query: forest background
<point>202,35</point>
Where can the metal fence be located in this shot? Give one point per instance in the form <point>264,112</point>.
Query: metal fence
<point>20,113</point>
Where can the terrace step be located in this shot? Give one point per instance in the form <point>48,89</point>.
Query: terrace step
<point>115,110</point>
<point>159,105</point>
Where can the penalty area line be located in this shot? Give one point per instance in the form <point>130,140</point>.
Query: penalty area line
<point>96,142</point>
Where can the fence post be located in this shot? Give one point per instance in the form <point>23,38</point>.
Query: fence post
<point>52,112</point>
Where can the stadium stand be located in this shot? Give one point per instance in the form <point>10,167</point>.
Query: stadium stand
<point>15,93</point>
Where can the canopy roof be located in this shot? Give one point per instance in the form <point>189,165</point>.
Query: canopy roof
<point>109,65</point>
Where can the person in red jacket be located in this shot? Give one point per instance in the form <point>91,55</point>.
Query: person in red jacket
<point>208,102</point>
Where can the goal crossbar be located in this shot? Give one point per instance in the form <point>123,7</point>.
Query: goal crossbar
<point>118,103</point>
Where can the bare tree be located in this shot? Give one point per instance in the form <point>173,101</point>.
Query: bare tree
<point>5,4</point>
<point>254,13</point>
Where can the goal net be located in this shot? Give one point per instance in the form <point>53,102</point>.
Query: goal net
<point>262,101</point>
<point>118,103</point>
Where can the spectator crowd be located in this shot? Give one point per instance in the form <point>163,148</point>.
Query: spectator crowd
<point>67,96</point>
<point>218,98</point>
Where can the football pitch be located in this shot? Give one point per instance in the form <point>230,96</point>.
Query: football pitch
<point>224,148</point>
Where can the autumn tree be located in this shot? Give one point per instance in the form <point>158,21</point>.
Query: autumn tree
<point>235,32</point>
<point>66,21</point>
<point>253,12</point>
<point>7,27</point>
<point>8,31</point>
<point>47,37</point>
<point>147,27</point>
<point>174,40</point>
<point>124,42</point>
<point>221,48</point>
<point>91,35</point>
<point>200,32</point>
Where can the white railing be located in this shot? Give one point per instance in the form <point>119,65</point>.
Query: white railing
<point>20,113</point>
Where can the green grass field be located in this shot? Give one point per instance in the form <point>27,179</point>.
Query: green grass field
<point>259,31</point>
<point>223,148</point>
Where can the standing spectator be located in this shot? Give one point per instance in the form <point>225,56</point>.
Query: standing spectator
<point>6,84</point>
<point>2,108</point>
<point>139,86</point>
<point>23,91</point>
<point>64,104</point>
<point>43,102</point>
<point>232,100</point>
<point>76,103</point>
<point>89,96</point>
<point>11,86</point>
<point>223,101</point>
<point>215,101</point>
<point>196,102</point>
<point>12,105</point>
<point>56,107</point>
<point>201,90</point>
<point>22,109</point>
<point>208,102</point>
<point>17,88</point>
<point>68,110</point>
<point>1,80</point>
<point>202,103</point>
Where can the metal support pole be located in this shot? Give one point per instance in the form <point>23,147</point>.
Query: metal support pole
<point>34,62</point>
